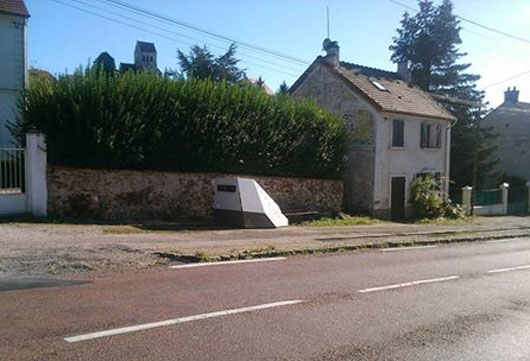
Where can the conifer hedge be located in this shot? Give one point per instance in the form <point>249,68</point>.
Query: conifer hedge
<point>141,121</point>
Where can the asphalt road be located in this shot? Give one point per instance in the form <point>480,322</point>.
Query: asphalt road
<point>458,302</point>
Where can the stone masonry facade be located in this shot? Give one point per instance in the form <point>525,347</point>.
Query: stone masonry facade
<point>150,195</point>
<point>331,94</point>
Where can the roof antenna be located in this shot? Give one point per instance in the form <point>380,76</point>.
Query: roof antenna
<point>327,16</point>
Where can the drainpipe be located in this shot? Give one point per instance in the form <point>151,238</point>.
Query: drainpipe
<point>447,162</point>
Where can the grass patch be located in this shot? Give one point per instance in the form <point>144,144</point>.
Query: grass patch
<point>445,221</point>
<point>122,230</point>
<point>450,233</point>
<point>341,221</point>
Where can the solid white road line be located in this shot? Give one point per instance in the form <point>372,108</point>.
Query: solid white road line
<point>408,284</point>
<point>509,269</point>
<point>405,248</point>
<point>147,326</point>
<point>203,264</point>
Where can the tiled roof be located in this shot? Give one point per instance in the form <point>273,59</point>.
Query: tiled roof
<point>397,97</point>
<point>510,112</point>
<point>146,47</point>
<point>523,106</point>
<point>124,67</point>
<point>15,7</point>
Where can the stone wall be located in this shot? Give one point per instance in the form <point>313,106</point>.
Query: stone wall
<point>128,195</point>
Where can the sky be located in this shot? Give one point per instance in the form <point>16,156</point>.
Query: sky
<point>60,38</point>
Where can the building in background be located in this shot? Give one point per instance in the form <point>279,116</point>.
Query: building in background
<point>396,130</point>
<point>511,122</point>
<point>145,59</point>
<point>13,62</point>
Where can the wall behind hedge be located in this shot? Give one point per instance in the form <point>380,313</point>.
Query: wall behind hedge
<point>141,121</point>
<point>142,195</point>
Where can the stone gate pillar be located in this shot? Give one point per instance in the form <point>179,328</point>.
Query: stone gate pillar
<point>466,199</point>
<point>36,188</point>
<point>504,188</point>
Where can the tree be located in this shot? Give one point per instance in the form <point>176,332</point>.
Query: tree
<point>260,83</point>
<point>284,89</point>
<point>36,75</point>
<point>428,41</point>
<point>201,63</point>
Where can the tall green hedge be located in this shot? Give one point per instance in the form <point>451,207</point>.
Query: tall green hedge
<point>141,121</point>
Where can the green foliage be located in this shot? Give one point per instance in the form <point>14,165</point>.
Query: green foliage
<point>428,41</point>
<point>514,181</point>
<point>201,63</point>
<point>38,75</point>
<point>341,221</point>
<point>284,89</point>
<point>142,121</point>
<point>427,200</point>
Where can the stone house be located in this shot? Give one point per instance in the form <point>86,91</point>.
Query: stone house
<point>397,131</point>
<point>145,58</point>
<point>511,122</point>
<point>13,61</point>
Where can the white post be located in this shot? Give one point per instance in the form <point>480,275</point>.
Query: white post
<point>528,203</point>
<point>504,187</point>
<point>36,189</point>
<point>466,199</point>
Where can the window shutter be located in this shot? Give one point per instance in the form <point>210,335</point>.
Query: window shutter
<point>398,133</point>
<point>423,135</point>
<point>438,143</point>
<point>401,133</point>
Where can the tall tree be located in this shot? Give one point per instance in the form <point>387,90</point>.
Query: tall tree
<point>428,41</point>
<point>284,89</point>
<point>203,64</point>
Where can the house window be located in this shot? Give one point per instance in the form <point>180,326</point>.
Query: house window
<point>398,133</point>
<point>378,85</point>
<point>431,136</point>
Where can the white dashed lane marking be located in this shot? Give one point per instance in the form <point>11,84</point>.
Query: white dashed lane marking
<point>165,323</point>
<point>405,248</point>
<point>518,268</point>
<point>407,284</point>
<point>204,264</point>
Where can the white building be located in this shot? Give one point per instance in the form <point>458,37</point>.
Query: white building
<point>13,61</point>
<point>396,130</point>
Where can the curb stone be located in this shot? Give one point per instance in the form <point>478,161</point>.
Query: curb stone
<point>194,258</point>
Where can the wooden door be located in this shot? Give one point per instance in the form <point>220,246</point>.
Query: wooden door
<point>397,201</point>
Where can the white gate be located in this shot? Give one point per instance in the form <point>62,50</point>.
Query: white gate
<point>12,175</point>
<point>23,178</point>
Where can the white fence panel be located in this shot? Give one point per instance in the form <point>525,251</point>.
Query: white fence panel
<point>23,178</point>
<point>12,178</point>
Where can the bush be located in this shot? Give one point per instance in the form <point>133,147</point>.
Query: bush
<point>427,200</point>
<point>141,121</point>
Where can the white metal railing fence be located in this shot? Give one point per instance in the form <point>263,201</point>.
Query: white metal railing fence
<point>12,174</point>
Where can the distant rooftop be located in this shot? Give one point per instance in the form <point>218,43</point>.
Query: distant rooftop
<point>14,7</point>
<point>146,47</point>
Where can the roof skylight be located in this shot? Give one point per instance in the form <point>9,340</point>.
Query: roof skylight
<point>378,85</point>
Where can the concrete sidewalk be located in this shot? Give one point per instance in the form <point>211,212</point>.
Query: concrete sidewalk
<point>40,248</point>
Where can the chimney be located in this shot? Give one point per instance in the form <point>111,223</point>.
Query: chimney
<point>511,95</point>
<point>404,71</point>
<point>332,52</point>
